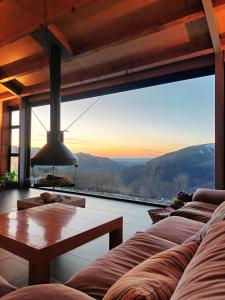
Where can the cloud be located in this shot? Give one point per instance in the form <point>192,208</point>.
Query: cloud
<point>150,150</point>
<point>76,141</point>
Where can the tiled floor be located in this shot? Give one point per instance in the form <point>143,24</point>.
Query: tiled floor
<point>15,269</point>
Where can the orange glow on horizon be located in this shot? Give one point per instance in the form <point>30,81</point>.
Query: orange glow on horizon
<point>121,151</point>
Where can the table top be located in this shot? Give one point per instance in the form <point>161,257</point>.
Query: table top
<point>45,226</point>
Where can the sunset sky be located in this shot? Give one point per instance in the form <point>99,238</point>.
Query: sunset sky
<point>141,123</point>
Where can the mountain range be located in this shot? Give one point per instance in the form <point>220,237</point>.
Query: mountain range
<point>160,177</point>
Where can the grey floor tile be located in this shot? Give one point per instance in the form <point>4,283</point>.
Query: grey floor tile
<point>64,266</point>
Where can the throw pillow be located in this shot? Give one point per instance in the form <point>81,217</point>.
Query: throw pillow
<point>218,215</point>
<point>155,278</point>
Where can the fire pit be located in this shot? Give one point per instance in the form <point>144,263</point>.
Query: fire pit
<point>54,164</point>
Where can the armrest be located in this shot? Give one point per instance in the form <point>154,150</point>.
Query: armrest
<point>46,292</point>
<point>209,196</point>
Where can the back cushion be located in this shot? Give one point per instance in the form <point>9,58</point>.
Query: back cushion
<point>204,277</point>
<point>209,196</point>
<point>155,278</point>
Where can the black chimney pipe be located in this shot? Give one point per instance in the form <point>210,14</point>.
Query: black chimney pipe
<point>55,84</point>
<point>54,153</point>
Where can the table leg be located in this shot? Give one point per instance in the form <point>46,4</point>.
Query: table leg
<point>39,272</point>
<point>116,237</point>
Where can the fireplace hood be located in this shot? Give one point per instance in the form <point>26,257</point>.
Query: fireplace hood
<point>54,153</point>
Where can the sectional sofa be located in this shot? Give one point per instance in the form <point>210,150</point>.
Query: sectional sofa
<point>162,255</point>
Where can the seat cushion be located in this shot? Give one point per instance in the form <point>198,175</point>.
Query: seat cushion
<point>175,229</point>
<point>46,292</point>
<point>98,277</point>
<point>204,276</point>
<point>156,278</point>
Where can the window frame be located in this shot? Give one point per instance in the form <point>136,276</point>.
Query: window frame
<point>11,127</point>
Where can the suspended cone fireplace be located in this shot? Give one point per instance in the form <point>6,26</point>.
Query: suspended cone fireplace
<point>54,158</point>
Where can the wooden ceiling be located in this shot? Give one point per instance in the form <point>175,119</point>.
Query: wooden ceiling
<point>105,42</point>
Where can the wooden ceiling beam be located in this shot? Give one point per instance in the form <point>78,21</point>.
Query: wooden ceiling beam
<point>119,68</point>
<point>23,67</point>
<point>184,66</point>
<point>146,21</point>
<point>7,96</point>
<point>47,36</point>
<point>31,14</point>
<point>146,27</point>
<point>212,25</point>
<point>60,37</point>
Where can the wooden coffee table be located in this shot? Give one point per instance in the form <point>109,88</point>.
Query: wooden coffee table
<point>41,233</point>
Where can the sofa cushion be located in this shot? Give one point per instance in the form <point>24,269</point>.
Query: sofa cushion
<point>99,276</point>
<point>202,206</point>
<point>217,216</point>
<point>189,212</point>
<point>5,287</point>
<point>209,196</point>
<point>46,292</point>
<point>204,276</point>
<point>175,229</point>
<point>156,278</point>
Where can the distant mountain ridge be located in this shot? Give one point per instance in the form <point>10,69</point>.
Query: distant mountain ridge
<point>160,177</point>
<point>185,169</point>
<point>91,163</point>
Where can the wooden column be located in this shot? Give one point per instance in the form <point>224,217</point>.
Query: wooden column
<point>1,124</point>
<point>5,138</point>
<point>219,122</point>
<point>24,156</point>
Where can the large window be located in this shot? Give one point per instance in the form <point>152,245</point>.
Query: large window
<point>145,144</point>
<point>14,144</point>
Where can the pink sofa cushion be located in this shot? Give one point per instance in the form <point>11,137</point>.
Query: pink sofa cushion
<point>175,229</point>
<point>156,278</point>
<point>98,277</point>
<point>209,196</point>
<point>204,277</point>
<point>5,287</point>
<point>193,213</point>
<point>46,292</point>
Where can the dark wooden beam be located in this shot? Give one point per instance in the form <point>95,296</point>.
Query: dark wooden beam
<point>212,25</point>
<point>61,38</point>
<point>51,36</point>
<point>121,67</point>
<point>25,138</point>
<point>183,70</point>
<point>219,122</point>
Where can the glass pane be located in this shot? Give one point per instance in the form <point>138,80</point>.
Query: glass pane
<point>15,140</point>
<point>14,165</point>
<point>38,133</point>
<point>15,118</point>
